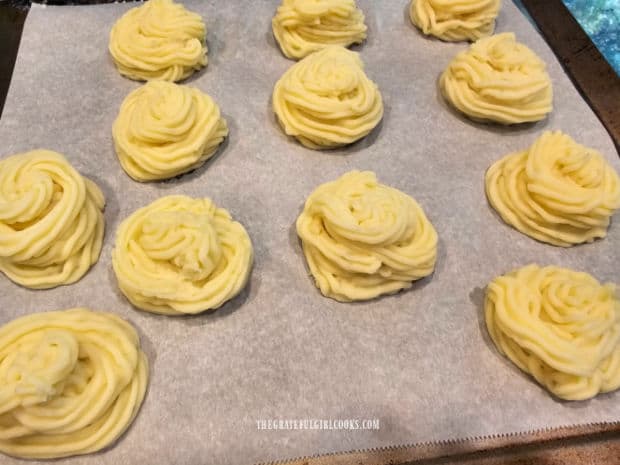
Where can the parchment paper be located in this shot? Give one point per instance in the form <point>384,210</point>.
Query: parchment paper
<point>420,361</point>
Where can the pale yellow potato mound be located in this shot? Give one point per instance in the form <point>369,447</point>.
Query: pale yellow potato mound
<point>326,100</point>
<point>560,326</point>
<point>363,239</point>
<point>557,191</point>
<point>159,39</point>
<point>71,382</point>
<point>455,20</point>
<point>498,79</point>
<point>305,26</point>
<point>51,220</point>
<point>180,255</point>
<point>165,129</point>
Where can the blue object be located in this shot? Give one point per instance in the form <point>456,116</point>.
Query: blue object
<point>600,19</point>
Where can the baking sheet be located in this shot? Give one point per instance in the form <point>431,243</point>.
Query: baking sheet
<point>421,361</point>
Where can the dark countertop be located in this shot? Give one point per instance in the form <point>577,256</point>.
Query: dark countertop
<point>12,19</point>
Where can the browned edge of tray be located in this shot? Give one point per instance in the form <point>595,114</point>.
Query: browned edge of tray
<point>595,79</point>
<point>586,444</point>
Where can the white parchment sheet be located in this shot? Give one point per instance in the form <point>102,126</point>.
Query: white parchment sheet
<point>421,361</point>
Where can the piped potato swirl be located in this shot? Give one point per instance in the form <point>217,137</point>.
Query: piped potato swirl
<point>498,79</point>
<point>181,255</point>
<point>305,26</point>
<point>326,100</point>
<point>556,191</point>
<point>455,20</point>
<point>559,325</point>
<point>165,129</point>
<point>363,239</point>
<point>159,39</point>
<point>71,382</point>
<point>51,220</point>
